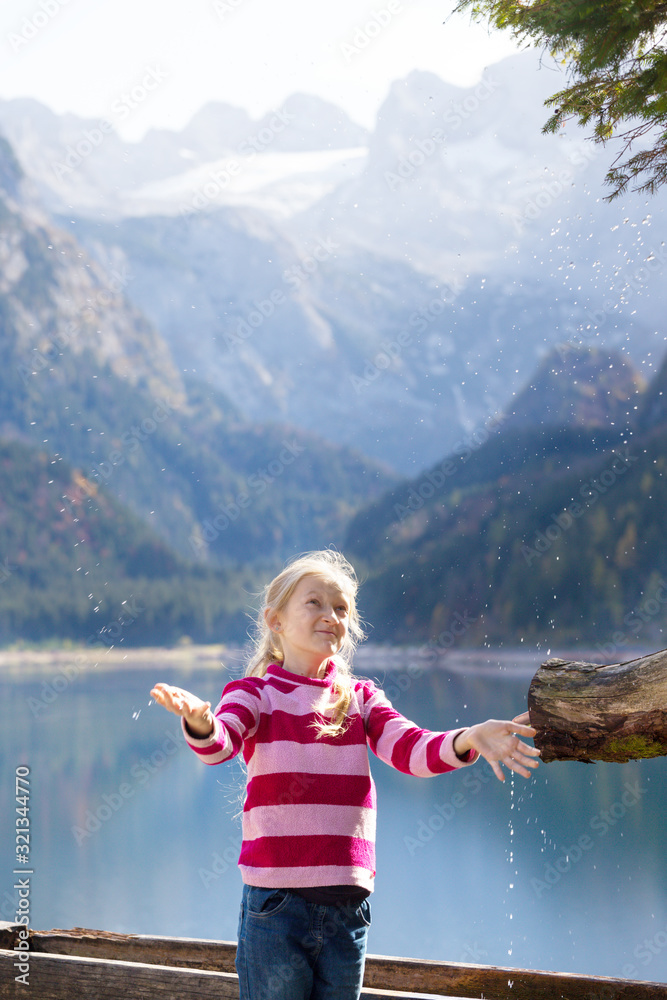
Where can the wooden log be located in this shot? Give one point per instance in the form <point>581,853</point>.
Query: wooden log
<point>406,975</point>
<point>614,712</point>
<point>450,979</point>
<point>61,977</point>
<point>186,953</point>
<point>9,934</point>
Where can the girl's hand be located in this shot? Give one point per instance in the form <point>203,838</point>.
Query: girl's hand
<point>499,743</point>
<point>197,713</point>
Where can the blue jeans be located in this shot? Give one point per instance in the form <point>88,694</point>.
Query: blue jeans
<point>290,949</point>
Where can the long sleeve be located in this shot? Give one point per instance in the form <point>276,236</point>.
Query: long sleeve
<point>236,717</point>
<point>402,744</point>
<point>310,806</point>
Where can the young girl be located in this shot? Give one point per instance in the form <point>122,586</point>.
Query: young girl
<point>304,724</point>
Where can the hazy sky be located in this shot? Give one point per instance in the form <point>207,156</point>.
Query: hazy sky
<point>85,55</point>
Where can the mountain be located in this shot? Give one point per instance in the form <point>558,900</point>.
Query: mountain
<point>578,387</point>
<point>56,299</point>
<point>652,412</point>
<point>87,378</point>
<point>419,273</point>
<point>545,533</point>
<point>215,327</point>
<point>463,183</point>
<point>82,166</point>
<point>549,559</point>
<point>355,348</point>
<point>77,565</point>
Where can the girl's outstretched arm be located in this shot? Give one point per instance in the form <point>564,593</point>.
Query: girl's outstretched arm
<point>499,743</point>
<point>197,713</point>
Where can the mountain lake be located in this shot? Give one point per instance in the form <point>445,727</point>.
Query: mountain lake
<point>129,832</point>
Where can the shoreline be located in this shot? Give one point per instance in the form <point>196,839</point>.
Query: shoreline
<point>29,661</point>
<point>25,662</point>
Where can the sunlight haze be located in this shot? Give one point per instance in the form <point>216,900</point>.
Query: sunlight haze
<point>82,56</point>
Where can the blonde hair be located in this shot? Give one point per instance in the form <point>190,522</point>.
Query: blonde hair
<point>331,566</point>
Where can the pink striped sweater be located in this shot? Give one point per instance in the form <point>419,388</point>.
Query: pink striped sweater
<point>309,811</point>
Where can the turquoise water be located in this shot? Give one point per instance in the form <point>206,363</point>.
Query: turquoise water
<point>129,832</point>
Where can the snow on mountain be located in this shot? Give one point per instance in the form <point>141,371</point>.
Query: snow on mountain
<point>278,183</point>
<point>443,172</point>
<point>461,180</point>
<point>281,164</point>
<point>390,291</point>
<point>294,154</point>
<point>56,301</point>
<point>463,185</point>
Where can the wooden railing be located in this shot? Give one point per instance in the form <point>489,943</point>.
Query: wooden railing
<point>84,964</point>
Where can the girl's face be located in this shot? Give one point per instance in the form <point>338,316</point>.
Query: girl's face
<point>312,625</point>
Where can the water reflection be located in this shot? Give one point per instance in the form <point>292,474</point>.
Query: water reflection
<point>131,833</point>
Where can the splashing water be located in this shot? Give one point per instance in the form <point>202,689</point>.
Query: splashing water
<point>137,713</point>
<point>513,870</point>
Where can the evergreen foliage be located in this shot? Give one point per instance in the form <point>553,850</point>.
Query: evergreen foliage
<point>78,566</point>
<point>100,437</point>
<point>178,466</point>
<point>617,60</point>
<point>548,535</point>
